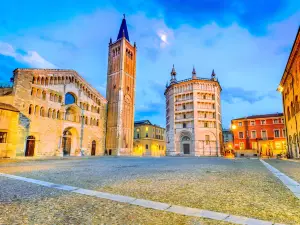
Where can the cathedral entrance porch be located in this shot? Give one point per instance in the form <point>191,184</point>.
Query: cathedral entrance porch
<point>70,141</point>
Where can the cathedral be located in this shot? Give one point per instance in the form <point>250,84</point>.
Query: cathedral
<point>55,112</point>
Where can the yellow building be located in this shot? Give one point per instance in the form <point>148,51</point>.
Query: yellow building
<point>290,90</point>
<point>9,138</point>
<point>149,139</point>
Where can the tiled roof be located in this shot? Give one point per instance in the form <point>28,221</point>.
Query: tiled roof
<point>141,122</point>
<point>8,107</point>
<point>123,29</point>
<point>260,116</point>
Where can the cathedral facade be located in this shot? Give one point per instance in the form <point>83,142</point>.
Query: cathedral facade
<point>55,112</point>
<point>59,114</point>
<point>193,116</point>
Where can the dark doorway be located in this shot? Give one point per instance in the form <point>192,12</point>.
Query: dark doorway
<point>93,148</point>
<point>186,148</point>
<point>109,152</point>
<point>30,144</point>
<point>66,142</point>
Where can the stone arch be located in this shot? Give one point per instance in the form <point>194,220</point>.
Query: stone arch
<point>39,93</point>
<point>46,81</point>
<point>55,98</point>
<point>72,113</point>
<point>59,80</point>
<point>70,141</point>
<point>38,81</point>
<point>33,91</point>
<point>42,81</point>
<point>51,81</point>
<point>186,142</point>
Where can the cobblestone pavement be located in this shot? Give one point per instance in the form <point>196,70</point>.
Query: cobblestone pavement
<point>240,187</point>
<point>290,168</point>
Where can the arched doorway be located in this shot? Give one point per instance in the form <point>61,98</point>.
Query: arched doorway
<point>93,148</point>
<point>30,144</point>
<point>186,145</point>
<point>66,142</point>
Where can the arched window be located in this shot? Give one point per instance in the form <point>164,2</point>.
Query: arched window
<point>44,95</point>
<point>54,114</point>
<point>42,81</point>
<point>288,113</point>
<point>39,93</point>
<point>50,113</point>
<point>37,110</point>
<point>51,97</point>
<point>97,122</point>
<point>42,112</point>
<point>86,120</point>
<point>30,109</point>
<point>91,121</point>
<point>58,115</point>
<point>56,98</point>
<point>59,99</point>
<point>69,99</point>
<point>292,109</point>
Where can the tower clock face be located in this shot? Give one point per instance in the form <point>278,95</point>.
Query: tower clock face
<point>127,99</point>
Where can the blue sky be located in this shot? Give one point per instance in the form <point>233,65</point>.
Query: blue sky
<point>247,43</point>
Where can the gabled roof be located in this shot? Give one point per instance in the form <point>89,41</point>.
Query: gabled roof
<point>123,30</point>
<point>260,116</point>
<point>141,122</point>
<point>8,107</point>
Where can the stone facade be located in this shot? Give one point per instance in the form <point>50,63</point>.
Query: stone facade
<point>121,94</point>
<point>149,139</point>
<point>59,113</point>
<point>290,89</point>
<point>193,116</point>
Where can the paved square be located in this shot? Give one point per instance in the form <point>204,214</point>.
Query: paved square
<point>242,187</point>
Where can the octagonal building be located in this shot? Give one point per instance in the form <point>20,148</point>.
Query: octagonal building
<point>193,116</point>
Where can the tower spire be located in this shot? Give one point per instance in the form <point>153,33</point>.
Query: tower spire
<point>123,32</point>
<point>213,75</point>
<point>173,75</point>
<point>194,73</point>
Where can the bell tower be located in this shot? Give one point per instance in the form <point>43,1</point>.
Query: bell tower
<point>120,93</point>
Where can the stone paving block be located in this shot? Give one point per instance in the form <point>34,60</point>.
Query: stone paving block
<point>64,187</point>
<point>288,181</point>
<point>258,222</point>
<point>294,189</point>
<point>150,204</point>
<point>86,192</point>
<point>118,198</point>
<point>237,219</point>
<point>183,210</point>
<point>212,215</point>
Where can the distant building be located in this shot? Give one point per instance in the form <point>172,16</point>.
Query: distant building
<point>149,139</point>
<point>290,89</point>
<point>262,135</point>
<point>227,139</point>
<point>193,116</point>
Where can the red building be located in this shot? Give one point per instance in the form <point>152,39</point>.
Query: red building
<point>262,135</point>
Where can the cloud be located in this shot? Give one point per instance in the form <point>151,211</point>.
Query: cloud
<point>31,58</point>
<point>232,94</point>
<point>150,110</point>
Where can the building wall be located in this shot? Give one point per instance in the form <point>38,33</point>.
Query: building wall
<point>120,96</point>
<point>194,115</point>
<point>263,145</point>
<point>150,136</point>
<point>9,121</point>
<point>39,95</point>
<point>290,90</point>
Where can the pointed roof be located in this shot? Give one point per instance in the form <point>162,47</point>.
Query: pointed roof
<point>123,30</point>
<point>173,72</point>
